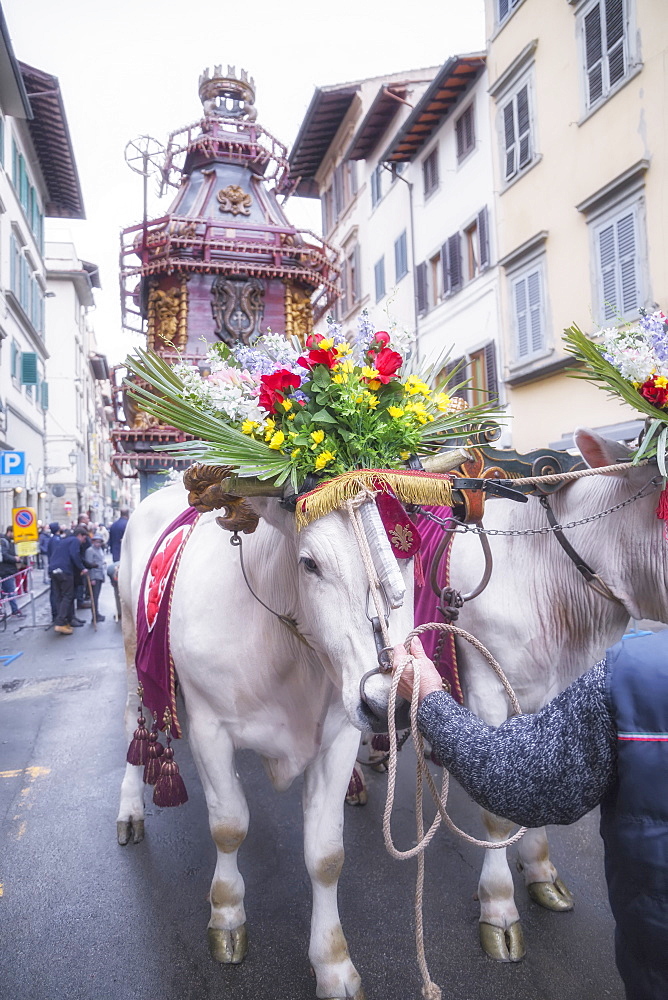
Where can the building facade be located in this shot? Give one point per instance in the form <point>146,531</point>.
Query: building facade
<point>78,473</point>
<point>577,93</point>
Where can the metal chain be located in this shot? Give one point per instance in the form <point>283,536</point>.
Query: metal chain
<point>460,528</point>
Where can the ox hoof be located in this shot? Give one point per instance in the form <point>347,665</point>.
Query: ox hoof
<point>228,947</point>
<point>357,798</point>
<point>552,895</point>
<point>128,829</point>
<point>503,945</point>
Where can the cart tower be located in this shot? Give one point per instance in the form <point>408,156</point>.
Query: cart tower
<point>224,263</point>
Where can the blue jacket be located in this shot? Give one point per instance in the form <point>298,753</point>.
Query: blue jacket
<point>116,532</point>
<point>634,814</point>
<point>66,555</point>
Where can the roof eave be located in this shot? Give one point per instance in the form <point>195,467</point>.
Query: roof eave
<point>13,96</point>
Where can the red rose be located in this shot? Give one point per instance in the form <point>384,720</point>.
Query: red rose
<point>318,357</point>
<point>387,363</point>
<point>272,388</point>
<point>314,339</point>
<point>654,394</point>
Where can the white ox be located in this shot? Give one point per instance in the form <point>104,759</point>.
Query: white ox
<point>545,626</point>
<point>249,683</point>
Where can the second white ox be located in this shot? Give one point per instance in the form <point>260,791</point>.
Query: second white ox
<point>249,683</point>
<point>545,626</point>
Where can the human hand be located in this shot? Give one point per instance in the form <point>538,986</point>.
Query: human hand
<point>430,679</point>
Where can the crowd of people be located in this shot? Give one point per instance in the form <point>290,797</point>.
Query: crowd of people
<point>74,560</point>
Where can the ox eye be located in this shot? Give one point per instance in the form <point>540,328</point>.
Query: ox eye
<point>309,564</point>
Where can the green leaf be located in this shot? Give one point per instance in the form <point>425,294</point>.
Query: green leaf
<point>323,417</point>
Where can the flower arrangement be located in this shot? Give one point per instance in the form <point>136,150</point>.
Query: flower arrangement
<point>279,410</point>
<point>631,363</point>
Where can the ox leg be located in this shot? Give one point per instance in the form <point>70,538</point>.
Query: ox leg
<point>540,876</point>
<point>325,783</point>
<point>130,819</point>
<point>500,928</point>
<point>213,752</point>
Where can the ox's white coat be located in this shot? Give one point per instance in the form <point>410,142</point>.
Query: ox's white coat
<point>545,626</point>
<point>248,683</point>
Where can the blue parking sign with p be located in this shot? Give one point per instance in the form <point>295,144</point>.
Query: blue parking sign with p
<point>12,463</point>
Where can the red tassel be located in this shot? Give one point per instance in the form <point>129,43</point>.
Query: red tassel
<point>662,508</point>
<point>137,751</point>
<point>169,788</point>
<point>155,752</point>
<point>418,570</point>
<point>381,741</point>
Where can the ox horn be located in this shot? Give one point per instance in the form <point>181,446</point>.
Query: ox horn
<point>211,487</point>
<point>446,461</point>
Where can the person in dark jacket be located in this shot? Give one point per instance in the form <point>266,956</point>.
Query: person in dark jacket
<point>604,740</point>
<point>96,563</point>
<point>10,564</point>
<point>66,565</point>
<point>116,532</point>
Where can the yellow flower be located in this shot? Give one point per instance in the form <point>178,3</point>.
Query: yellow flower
<point>661,381</point>
<point>374,383</point>
<point>318,436</point>
<point>325,344</point>
<point>442,401</point>
<point>269,428</point>
<point>277,440</point>
<point>339,379</point>
<point>294,452</point>
<point>371,400</point>
<point>368,372</point>
<point>345,366</point>
<point>286,404</point>
<point>342,349</point>
<point>324,458</point>
<point>415,385</point>
<point>291,416</point>
<point>395,411</point>
<point>404,455</point>
<point>249,426</point>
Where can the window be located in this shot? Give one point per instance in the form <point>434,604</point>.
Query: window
<point>528,313</point>
<point>376,185</point>
<point>617,265</point>
<point>465,133</point>
<point>455,371</point>
<point>517,143</point>
<point>379,278</point>
<point>476,246</point>
<point>350,279</point>
<point>15,362</point>
<point>400,257</point>
<point>327,211</point>
<point>430,173</point>
<point>435,271</point>
<point>605,39</point>
<point>422,289</point>
<point>338,191</point>
<point>504,8</point>
<point>396,170</point>
<point>483,374</point>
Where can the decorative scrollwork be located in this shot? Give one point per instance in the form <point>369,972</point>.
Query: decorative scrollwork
<point>235,200</point>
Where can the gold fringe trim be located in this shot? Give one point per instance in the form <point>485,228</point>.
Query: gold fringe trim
<point>409,487</point>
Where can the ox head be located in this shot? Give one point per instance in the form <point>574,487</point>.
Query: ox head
<point>320,581</point>
<point>630,548</point>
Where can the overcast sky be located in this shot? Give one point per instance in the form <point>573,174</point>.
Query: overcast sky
<point>131,67</point>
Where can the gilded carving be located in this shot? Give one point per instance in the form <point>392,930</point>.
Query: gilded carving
<point>206,491</point>
<point>235,200</point>
<point>168,316</point>
<point>298,313</point>
<point>238,308</point>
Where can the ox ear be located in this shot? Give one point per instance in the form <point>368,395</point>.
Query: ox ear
<point>598,451</point>
<point>271,511</point>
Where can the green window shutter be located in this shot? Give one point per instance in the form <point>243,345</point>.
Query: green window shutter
<point>28,368</point>
<point>15,165</point>
<point>44,395</point>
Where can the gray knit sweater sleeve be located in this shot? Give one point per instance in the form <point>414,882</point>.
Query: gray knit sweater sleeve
<point>551,767</point>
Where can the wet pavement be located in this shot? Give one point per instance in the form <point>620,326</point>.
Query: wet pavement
<point>82,918</point>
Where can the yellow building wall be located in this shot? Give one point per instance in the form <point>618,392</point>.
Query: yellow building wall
<point>578,156</point>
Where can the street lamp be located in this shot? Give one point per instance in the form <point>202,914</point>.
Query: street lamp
<point>73,455</point>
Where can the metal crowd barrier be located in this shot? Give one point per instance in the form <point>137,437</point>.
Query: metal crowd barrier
<point>23,586</point>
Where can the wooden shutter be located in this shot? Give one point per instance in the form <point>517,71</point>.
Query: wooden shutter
<point>509,138</point>
<point>461,376</point>
<point>379,278</point>
<point>521,318</point>
<point>445,267</point>
<point>28,368</point>
<point>523,126</point>
<point>400,257</point>
<point>593,37</point>
<point>504,7</point>
<point>326,213</point>
<point>491,377</point>
<point>626,251</point>
<point>464,133</point>
<point>422,299</point>
<point>44,395</point>
<point>535,311</point>
<point>607,270</point>
<point>614,38</point>
<point>338,191</point>
<point>356,276</point>
<point>483,238</point>
<point>455,262</point>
